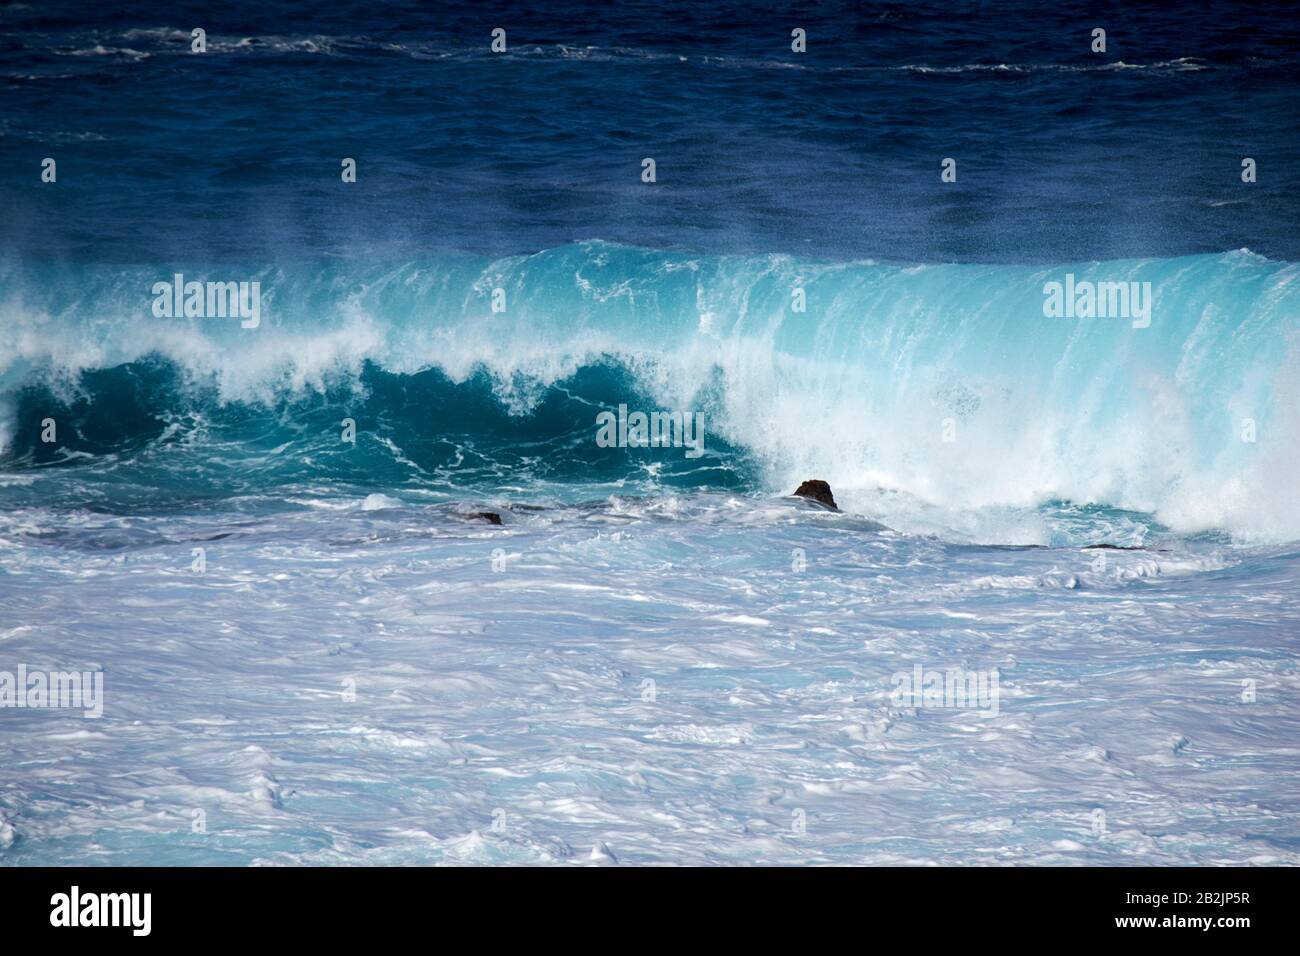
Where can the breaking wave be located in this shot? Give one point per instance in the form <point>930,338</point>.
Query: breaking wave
<point>942,385</point>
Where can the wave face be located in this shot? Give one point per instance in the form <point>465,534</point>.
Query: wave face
<point>924,394</point>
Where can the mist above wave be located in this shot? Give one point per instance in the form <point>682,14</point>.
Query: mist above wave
<point>943,384</point>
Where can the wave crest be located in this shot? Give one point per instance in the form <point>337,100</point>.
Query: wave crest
<point>943,383</point>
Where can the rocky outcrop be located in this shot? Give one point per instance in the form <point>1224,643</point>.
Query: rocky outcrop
<point>491,517</point>
<point>818,491</point>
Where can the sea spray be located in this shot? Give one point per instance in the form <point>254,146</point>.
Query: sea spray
<point>945,383</point>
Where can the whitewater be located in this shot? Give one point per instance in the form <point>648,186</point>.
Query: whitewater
<point>945,384</point>
<point>314,651</point>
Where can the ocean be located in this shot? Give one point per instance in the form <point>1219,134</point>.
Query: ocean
<point>444,515</point>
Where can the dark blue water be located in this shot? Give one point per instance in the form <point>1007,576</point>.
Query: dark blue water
<point>1063,154</point>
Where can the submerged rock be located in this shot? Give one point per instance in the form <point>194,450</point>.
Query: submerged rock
<point>491,517</point>
<point>818,491</point>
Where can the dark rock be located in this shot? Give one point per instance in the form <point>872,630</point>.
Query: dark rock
<point>1115,547</point>
<point>818,491</point>
<point>491,517</point>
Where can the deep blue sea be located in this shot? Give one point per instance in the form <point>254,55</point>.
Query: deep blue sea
<point>265,532</point>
